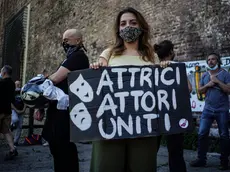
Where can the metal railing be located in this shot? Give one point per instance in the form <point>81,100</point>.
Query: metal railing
<point>31,126</point>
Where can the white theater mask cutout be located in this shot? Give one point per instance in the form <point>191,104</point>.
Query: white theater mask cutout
<point>81,117</point>
<point>82,89</point>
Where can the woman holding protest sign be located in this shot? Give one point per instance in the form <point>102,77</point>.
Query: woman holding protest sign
<point>131,47</point>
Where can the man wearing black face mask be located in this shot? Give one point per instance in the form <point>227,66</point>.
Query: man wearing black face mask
<point>56,129</point>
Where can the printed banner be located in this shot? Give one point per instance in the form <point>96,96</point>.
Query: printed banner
<point>195,69</point>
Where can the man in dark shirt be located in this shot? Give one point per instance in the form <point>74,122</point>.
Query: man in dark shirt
<point>7,88</point>
<point>57,126</point>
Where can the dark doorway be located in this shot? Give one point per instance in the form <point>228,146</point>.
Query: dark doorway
<point>14,44</point>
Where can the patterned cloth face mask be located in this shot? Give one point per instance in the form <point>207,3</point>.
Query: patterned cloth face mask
<point>130,34</point>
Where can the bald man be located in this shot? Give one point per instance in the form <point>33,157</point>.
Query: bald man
<point>71,37</point>
<point>56,128</point>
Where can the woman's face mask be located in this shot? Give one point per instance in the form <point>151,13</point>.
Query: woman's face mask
<point>130,34</point>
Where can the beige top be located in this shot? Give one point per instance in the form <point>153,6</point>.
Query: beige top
<point>123,59</point>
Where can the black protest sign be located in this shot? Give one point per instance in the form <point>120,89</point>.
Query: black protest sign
<point>128,102</point>
<point>174,108</point>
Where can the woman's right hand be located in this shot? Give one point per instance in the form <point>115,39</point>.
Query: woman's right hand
<point>95,65</point>
<point>101,62</point>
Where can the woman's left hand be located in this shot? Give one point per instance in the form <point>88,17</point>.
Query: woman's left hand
<point>164,64</point>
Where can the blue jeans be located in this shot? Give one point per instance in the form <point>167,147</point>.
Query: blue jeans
<point>206,121</point>
<point>18,130</point>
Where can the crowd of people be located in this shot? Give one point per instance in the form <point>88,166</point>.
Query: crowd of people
<point>131,47</point>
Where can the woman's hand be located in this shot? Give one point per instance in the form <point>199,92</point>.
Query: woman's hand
<point>165,64</point>
<point>95,65</point>
<point>101,62</point>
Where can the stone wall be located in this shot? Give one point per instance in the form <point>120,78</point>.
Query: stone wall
<point>196,27</point>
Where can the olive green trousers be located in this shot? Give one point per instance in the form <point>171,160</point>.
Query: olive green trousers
<point>126,155</point>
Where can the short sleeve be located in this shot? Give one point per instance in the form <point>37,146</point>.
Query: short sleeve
<point>156,60</point>
<point>202,79</point>
<point>106,53</point>
<point>227,78</point>
<point>76,61</point>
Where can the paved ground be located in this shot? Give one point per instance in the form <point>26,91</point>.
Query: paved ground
<point>38,159</point>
